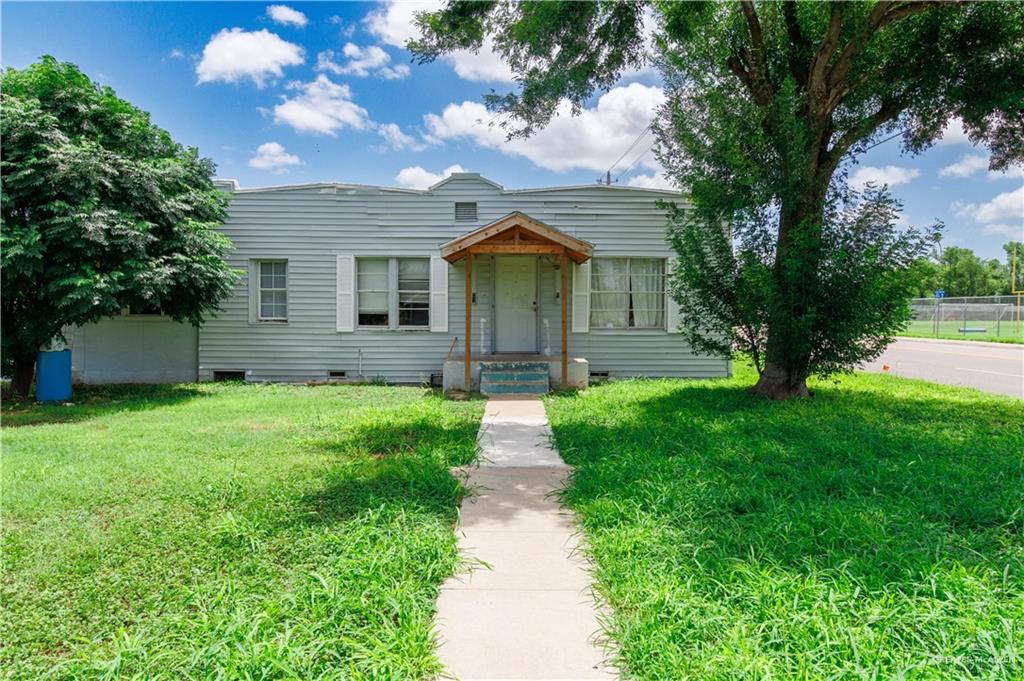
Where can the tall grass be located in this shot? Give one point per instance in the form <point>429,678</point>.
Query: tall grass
<point>230,531</point>
<point>875,531</point>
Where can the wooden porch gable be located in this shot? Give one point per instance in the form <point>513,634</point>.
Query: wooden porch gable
<point>517,234</point>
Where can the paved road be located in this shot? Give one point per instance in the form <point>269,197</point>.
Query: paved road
<point>990,367</point>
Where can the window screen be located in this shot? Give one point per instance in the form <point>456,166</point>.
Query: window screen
<point>627,293</point>
<point>393,293</point>
<point>372,291</point>
<point>413,292</point>
<point>274,290</point>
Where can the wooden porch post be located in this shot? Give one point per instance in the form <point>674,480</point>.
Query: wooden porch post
<point>565,312</point>
<point>468,375</point>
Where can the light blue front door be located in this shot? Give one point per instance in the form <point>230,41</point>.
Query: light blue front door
<point>515,301</point>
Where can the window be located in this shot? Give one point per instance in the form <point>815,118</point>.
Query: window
<point>273,293</point>
<point>372,291</point>
<point>393,293</point>
<point>413,292</point>
<point>627,293</point>
<point>465,212</point>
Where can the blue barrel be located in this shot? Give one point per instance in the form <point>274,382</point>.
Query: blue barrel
<point>53,376</point>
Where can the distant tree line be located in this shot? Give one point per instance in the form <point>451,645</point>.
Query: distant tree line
<point>960,272</point>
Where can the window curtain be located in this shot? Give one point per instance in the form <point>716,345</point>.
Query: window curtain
<point>609,303</point>
<point>646,284</point>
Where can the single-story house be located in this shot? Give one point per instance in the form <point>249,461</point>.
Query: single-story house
<point>465,278</point>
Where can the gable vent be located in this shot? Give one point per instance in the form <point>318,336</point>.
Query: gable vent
<point>465,212</point>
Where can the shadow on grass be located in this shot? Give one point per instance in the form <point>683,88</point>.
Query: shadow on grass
<point>880,487</point>
<point>394,459</point>
<point>89,402</point>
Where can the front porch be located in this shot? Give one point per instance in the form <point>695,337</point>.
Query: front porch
<point>514,244</point>
<point>454,371</point>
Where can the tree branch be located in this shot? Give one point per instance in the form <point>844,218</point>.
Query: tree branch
<point>751,67</point>
<point>886,112</point>
<point>882,14</point>
<point>800,44</point>
<point>816,78</point>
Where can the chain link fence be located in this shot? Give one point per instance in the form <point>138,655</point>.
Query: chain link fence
<point>979,317</point>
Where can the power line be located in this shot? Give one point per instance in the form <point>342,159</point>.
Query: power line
<point>891,137</point>
<point>630,148</point>
<point>635,161</point>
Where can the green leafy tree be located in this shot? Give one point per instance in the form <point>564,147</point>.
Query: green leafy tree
<point>766,103</point>
<point>1013,275</point>
<point>101,209</point>
<point>924,277</point>
<point>963,273</point>
<point>867,275</point>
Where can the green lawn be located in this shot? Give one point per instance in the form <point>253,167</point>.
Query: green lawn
<point>1006,332</point>
<point>229,531</point>
<point>875,531</point>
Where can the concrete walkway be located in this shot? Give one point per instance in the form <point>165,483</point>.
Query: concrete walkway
<point>530,615</point>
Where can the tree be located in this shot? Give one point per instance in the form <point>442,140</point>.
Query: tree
<point>767,103</point>
<point>963,273</point>
<point>866,277</point>
<point>101,209</point>
<point>1013,278</point>
<point>924,276</point>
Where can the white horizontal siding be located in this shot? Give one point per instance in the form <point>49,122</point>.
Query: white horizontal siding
<point>310,226</point>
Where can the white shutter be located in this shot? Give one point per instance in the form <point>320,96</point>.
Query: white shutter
<point>581,298</point>
<point>671,309</point>
<point>346,293</point>
<point>254,291</point>
<point>438,294</point>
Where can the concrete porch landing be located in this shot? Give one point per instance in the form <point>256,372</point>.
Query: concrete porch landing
<point>530,615</point>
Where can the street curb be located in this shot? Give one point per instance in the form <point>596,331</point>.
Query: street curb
<point>971,343</point>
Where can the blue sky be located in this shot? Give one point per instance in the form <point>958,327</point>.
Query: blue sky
<point>309,92</point>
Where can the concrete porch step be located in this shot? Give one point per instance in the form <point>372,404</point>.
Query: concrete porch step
<point>514,387</point>
<point>511,365</point>
<point>509,375</point>
<point>515,377</point>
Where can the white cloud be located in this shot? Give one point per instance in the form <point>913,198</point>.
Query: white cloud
<point>361,61</point>
<point>954,134</point>
<point>234,55</point>
<point>322,107</point>
<point>968,165</point>
<point>176,54</point>
<point>1002,229</point>
<point>393,24</point>
<point>417,177</point>
<point>592,140</point>
<point>652,181</point>
<point>399,72</point>
<point>1007,207</point>
<point>346,29</point>
<point>283,14</point>
<point>273,157</point>
<point>484,65</point>
<point>397,140</point>
<point>889,175</point>
<point>1014,172</point>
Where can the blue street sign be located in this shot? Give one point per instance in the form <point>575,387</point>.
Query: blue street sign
<point>940,294</point>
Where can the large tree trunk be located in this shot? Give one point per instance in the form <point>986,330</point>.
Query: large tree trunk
<point>798,256</point>
<point>24,371</point>
<point>780,383</point>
